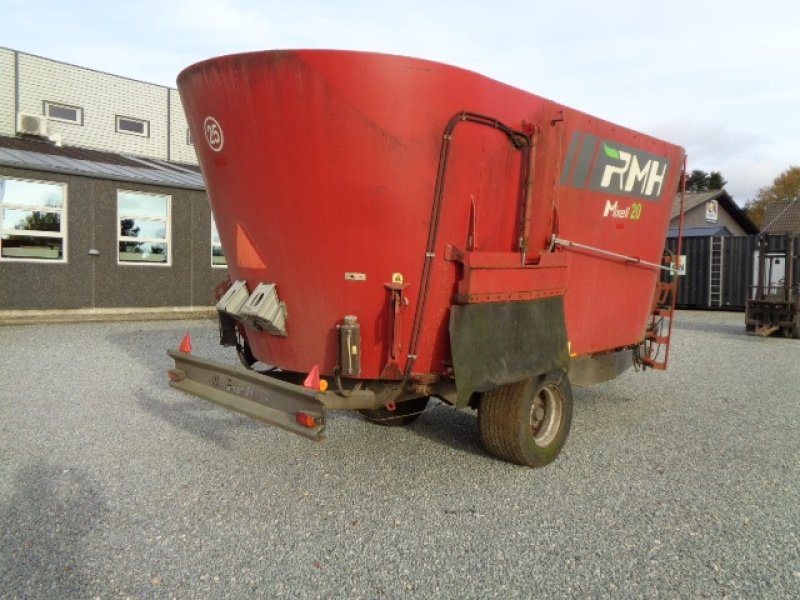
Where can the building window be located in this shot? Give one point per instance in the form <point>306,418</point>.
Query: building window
<point>144,228</point>
<point>189,140</point>
<point>32,220</point>
<point>63,113</point>
<point>133,126</point>
<point>217,254</point>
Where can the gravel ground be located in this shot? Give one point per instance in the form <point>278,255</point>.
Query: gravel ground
<point>683,484</point>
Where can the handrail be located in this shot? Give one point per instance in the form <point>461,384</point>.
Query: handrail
<point>519,140</point>
<point>556,241</point>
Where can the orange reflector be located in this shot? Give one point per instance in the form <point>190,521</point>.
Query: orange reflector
<point>323,385</point>
<point>176,375</point>
<point>305,419</point>
<point>186,344</point>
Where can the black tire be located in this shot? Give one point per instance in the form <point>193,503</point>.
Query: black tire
<point>405,413</point>
<point>527,423</point>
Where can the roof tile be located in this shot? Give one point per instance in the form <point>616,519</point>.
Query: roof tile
<point>783,217</point>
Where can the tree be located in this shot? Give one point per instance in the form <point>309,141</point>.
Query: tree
<point>700,181</point>
<point>40,221</point>
<point>715,181</point>
<point>785,188</point>
<point>128,228</point>
<point>697,181</point>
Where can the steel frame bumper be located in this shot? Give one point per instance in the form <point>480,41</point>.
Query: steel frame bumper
<point>286,405</point>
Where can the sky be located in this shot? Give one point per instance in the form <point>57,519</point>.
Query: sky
<point>719,78</point>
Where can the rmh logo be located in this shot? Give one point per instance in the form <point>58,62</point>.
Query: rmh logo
<point>630,175</point>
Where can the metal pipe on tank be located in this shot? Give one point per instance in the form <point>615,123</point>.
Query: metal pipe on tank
<point>519,140</point>
<point>528,199</point>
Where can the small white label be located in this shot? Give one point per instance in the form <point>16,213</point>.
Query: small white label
<point>681,264</point>
<point>355,276</point>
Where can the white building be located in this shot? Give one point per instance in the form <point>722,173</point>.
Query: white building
<point>89,109</point>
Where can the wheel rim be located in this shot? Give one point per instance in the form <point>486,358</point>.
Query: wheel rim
<point>547,411</point>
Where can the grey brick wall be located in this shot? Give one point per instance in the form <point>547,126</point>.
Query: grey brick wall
<point>87,281</point>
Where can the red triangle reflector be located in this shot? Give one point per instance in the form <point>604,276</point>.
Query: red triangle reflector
<point>186,344</point>
<point>312,381</point>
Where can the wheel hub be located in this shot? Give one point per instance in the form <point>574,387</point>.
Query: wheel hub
<point>546,414</point>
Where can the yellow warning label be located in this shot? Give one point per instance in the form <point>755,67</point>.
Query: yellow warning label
<point>397,278</point>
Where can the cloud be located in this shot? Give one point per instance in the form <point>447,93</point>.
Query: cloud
<point>707,142</point>
<point>746,177</point>
<point>228,24</point>
<point>746,159</point>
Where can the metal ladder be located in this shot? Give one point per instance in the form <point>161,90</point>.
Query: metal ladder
<point>659,329</point>
<point>716,258</point>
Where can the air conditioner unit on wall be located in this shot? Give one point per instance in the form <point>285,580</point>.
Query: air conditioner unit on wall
<point>28,124</point>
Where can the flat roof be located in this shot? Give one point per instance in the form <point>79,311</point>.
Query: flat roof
<point>39,155</point>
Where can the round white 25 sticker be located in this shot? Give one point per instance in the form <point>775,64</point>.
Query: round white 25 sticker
<point>213,134</point>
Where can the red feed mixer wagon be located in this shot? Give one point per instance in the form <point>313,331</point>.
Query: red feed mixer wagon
<point>398,229</point>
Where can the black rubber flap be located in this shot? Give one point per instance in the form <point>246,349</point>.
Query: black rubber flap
<point>504,342</point>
